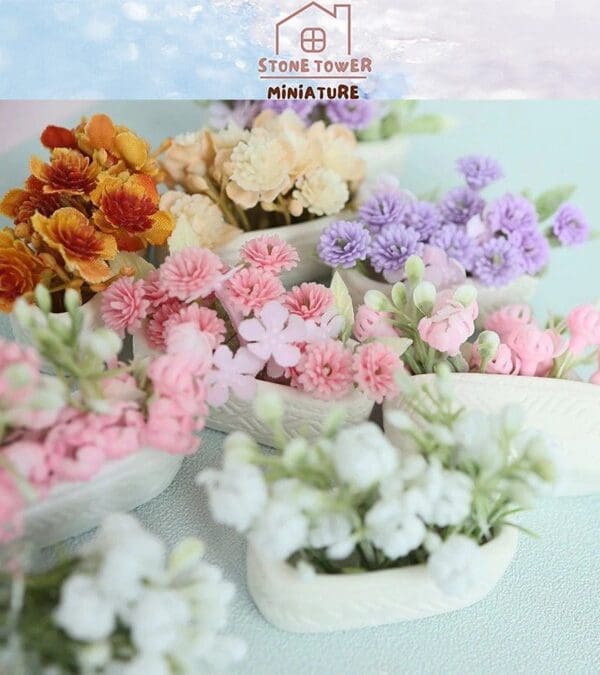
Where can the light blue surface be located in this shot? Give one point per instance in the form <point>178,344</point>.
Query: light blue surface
<point>544,615</point>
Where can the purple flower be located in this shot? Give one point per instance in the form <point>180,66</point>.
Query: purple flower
<point>511,213</point>
<point>424,217</point>
<point>343,243</point>
<point>461,204</point>
<point>384,208</point>
<point>240,113</point>
<point>535,249</point>
<point>454,240</point>
<point>392,247</point>
<point>498,263</point>
<point>303,109</point>
<point>354,114</point>
<point>479,170</point>
<point>570,225</point>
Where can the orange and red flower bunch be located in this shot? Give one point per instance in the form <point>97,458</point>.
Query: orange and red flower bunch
<point>95,196</point>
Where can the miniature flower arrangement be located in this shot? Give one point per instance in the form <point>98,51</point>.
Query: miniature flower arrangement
<point>279,173</point>
<point>86,438</point>
<point>500,243</point>
<point>298,342</point>
<point>79,214</point>
<point>125,605</point>
<point>440,322</point>
<point>347,530</point>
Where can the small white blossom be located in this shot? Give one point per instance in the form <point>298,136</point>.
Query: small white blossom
<point>333,531</point>
<point>394,530</point>
<point>453,504</point>
<point>236,495</point>
<point>279,531</point>
<point>92,657</point>
<point>362,455</point>
<point>456,565</point>
<point>157,620</point>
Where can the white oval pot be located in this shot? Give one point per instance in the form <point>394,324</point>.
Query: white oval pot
<point>564,409</point>
<point>121,485</point>
<point>328,603</point>
<point>489,299</point>
<point>303,236</point>
<point>304,414</point>
<point>384,156</point>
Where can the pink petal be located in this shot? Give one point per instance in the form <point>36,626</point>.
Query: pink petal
<point>295,331</point>
<point>217,394</point>
<point>274,315</point>
<point>223,358</point>
<point>247,363</point>
<point>245,388</point>
<point>286,355</point>
<point>252,330</point>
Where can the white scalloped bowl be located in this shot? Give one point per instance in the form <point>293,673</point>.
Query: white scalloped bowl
<point>121,485</point>
<point>488,299</point>
<point>303,236</point>
<point>328,603</point>
<point>384,156</point>
<point>566,410</point>
<point>304,414</point>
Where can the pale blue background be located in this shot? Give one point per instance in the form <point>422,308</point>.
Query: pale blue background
<point>543,617</point>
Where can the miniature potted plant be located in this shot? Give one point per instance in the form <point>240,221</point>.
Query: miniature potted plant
<point>124,604</point>
<point>347,530</point>
<point>280,173</point>
<point>98,435</point>
<point>265,339</point>
<point>381,127</point>
<point>80,216</point>
<point>502,244</point>
<point>514,359</point>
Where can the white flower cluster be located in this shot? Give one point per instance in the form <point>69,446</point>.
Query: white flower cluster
<point>171,608</point>
<point>352,499</point>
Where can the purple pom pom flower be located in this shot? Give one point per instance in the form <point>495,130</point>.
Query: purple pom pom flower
<point>424,217</point>
<point>461,204</point>
<point>498,263</point>
<point>344,243</point>
<point>454,240</point>
<point>534,248</point>
<point>303,109</point>
<point>570,225</point>
<point>354,114</point>
<point>392,247</point>
<point>479,170</point>
<point>511,213</point>
<point>383,209</point>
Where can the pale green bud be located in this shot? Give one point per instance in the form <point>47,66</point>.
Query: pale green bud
<point>269,407</point>
<point>23,312</point>
<point>103,343</point>
<point>294,452</point>
<point>238,448</point>
<point>72,300</point>
<point>186,555</point>
<point>399,294</point>
<point>399,420</point>
<point>424,296</point>
<point>414,270</point>
<point>377,301</point>
<point>43,299</point>
<point>466,294</point>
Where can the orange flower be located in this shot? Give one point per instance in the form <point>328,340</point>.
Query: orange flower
<point>58,137</point>
<point>20,205</point>
<point>129,209</point>
<point>82,247</point>
<point>20,270</point>
<point>69,171</point>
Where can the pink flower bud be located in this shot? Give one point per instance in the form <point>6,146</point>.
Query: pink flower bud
<point>532,346</point>
<point>450,325</point>
<point>371,324</point>
<point>584,326</point>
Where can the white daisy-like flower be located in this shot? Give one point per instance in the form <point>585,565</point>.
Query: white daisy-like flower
<point>322,192</point>
<point>456,565</point>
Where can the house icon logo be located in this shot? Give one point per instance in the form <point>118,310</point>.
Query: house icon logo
<point>314,28</point>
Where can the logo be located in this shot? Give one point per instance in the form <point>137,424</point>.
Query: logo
<point>314,43</point>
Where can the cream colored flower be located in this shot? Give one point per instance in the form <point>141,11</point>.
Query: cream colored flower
<point>259,169</point>
<point>187,161</point>
<point>322,192</point>
<point>198,222</point>
<point>337,150</point>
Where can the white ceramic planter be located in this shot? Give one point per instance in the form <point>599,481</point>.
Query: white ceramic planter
<point>303,236</point>
<point>385,156</point>
<point>304,414</point>
<point>121,485</point>
<point>488,299</point>
<point>330,603</point>
<point>566,410</point>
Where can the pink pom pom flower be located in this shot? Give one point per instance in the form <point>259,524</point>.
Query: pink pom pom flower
<point>124,305</point>
<point>191,274</point>
<point>270,253</point>
<point>309,300</point>
<point>325,370</point>
<point>250,289</point>
<point>204,318</point>
<point>154,330</point>
<point>374,366</point>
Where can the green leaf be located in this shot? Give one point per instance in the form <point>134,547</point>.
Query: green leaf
<point>123,259</point>
<point>426,124</point>
<point>343,303</point>
<point>548,202</point>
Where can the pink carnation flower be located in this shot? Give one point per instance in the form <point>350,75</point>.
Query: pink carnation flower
<point>504,363</point>
<point>171,429</point>
<point>154,329</point>
<point>270,253</point>
<point>204,318</point>
<point>370,324</point>
<point>532,346</point>
<point>250,289</point>
<point>196,345</point>
<point>325,370</point>
<point>232,372</point>
<point>28,458</point>
<point>153,291</point>
<point>374,367</point>
<point>173,379</point>
<point>309,300</point>
<point>584,326</point>
<point>12,504</point>
<point>450,324</point>
<point>122,430</point>
<point>124,305</point>
<point>506,319</point>
<point>191,274</point>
